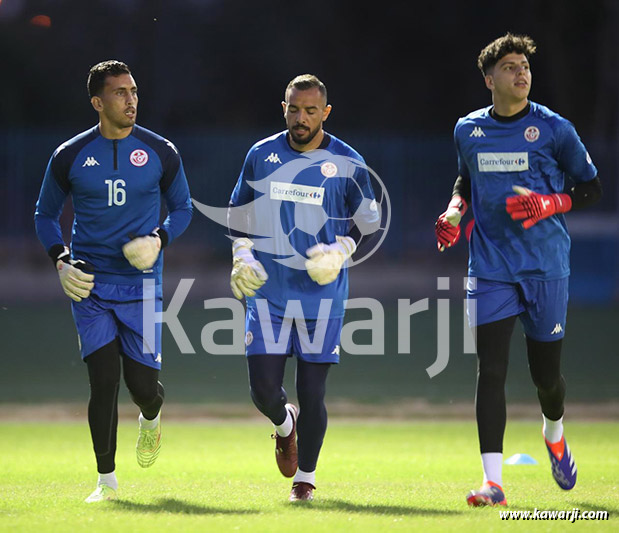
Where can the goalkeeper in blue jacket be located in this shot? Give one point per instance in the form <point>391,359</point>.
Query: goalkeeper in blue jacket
<point>116,173</point>
<point>513,160</point>
<point>291,207</point>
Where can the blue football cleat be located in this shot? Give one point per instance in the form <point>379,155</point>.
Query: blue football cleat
<point>563,465</point>
<point>489,494</point>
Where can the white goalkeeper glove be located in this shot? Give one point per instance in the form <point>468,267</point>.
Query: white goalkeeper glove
<point>142,252</point>
<point>248,274</point>
<point>325,260</point>
<point>74,277</point>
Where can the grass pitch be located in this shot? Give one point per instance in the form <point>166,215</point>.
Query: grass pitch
<point>219,476</point>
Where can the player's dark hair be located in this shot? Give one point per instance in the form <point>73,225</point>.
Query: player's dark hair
<point>98,74</point>
<point>304,82</point>
<point>508,44</point>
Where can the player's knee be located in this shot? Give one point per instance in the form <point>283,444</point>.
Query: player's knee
<point>143,394</point>
<point>549,384</point>
<point>267,397</point>
<point>104,384</point>
<point>492,374</point>
<point>311,396</point>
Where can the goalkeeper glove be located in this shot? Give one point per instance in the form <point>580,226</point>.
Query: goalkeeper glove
<point>447,227</point>
<point>248,274</point>
<point>142,252</point>
<point>532,207</point>
<point>74,276</point>
<point>326,260</point>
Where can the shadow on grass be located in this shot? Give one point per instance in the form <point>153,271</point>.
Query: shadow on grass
<point>170,505</point>
<point>588,506</point>
<point>349,507</point>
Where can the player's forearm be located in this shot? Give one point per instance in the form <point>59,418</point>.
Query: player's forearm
<point>362,244</point>
<point>586,194</point>
<point>462,188</point>
<point>174,225</point>
<point>47,212</point>
<point>180,209</point>
<point>238,221</point>
<point>48,231</point>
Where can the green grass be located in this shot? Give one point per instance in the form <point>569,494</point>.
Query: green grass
<point>222,476</point>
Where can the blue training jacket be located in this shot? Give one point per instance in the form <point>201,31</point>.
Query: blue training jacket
<point>116,187</point>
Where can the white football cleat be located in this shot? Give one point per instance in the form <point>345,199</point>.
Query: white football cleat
<point>101,494</point>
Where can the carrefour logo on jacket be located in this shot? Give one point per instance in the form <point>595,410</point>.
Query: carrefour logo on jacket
<point>503,161</point>
<point>291,192</point>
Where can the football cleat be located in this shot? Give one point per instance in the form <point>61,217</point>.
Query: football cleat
<point>101,494</point>
<point>148,446</point>
<point>489,494</point>
<point>286,447</point>
<point>302,492</point>
<point>563,465</point>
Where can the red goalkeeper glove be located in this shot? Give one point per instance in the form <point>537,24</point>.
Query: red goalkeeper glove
<point>447,227</point>
<point>532,207</point>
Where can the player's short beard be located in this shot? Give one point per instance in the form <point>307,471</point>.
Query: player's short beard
<point>306,140</point>
<point>122,121</point>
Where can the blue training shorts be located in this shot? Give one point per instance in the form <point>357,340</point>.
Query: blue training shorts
<point>312,340</point>
<point>541,305</point>
<point>99,321</point>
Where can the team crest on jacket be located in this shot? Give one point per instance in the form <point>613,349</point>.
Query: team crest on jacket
<point>328,169</point>
<point>531,134</point>
<point>138,158</point>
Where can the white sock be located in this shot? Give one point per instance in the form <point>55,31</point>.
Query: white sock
<point>109,480</point>
<point>553,429</point>
<point>148,424</point>
<point>306,477</point>
<point>284,429</point>
<point>492,464</point>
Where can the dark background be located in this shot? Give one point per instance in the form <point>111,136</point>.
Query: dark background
<point>211,75</point>
<point>390,66</point>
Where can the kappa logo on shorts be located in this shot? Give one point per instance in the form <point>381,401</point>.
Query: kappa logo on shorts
<point>158,358</point>
<point>558,329</point>
<point>336,350</point>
